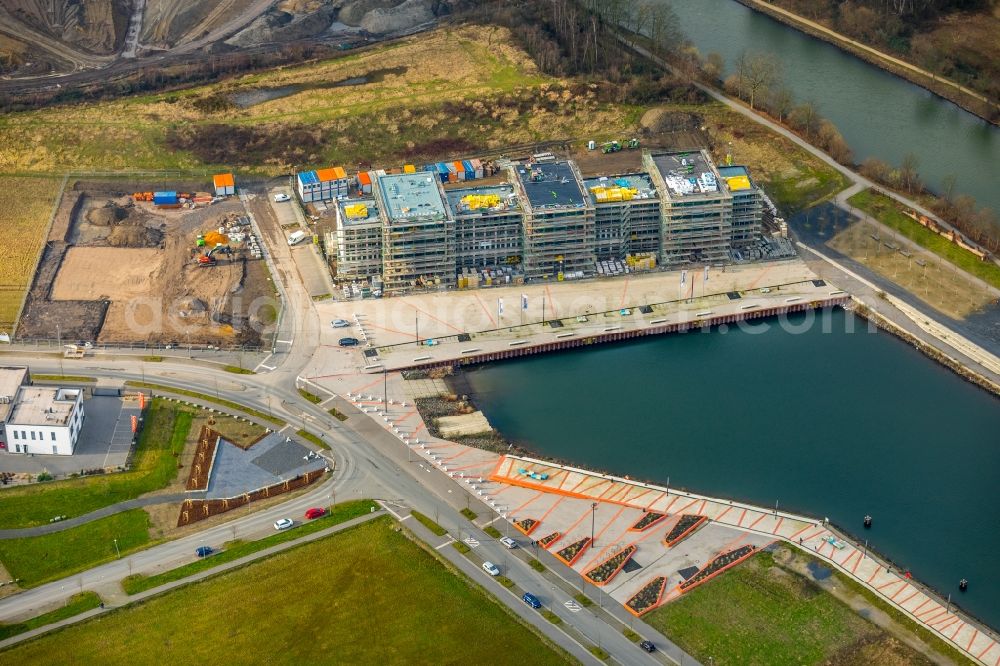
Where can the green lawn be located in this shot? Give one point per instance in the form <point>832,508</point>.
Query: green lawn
<point>306,435</point>
<point>759,613</point>
<point>428,523</point>
<point>153,467</point>
<point>37,560</point>
<point>368,595</point>
<point>337,514</point>
<point>887,211</point>
<point>78,603</point>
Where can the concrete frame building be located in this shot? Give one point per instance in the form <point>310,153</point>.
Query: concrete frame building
<point>488,224</point>
<point>696,208</point>
<point>748,204</point>
<point>418,232</point>
<point>38,420</point>
<point>627,214</point>
<point>358,239</point>
<point>559,220</point>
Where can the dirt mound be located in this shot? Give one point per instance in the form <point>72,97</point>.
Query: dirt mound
<point>407,15</point>
<point>658,120</point>
<point>193,305</point>
<point>108,215</point>
<point>134,235</point>
<point>353,12</point>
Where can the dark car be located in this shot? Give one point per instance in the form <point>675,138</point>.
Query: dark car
<point>348,342</point>
<point>531,600</point>
<point>647,646</point>
<point>204,551</point>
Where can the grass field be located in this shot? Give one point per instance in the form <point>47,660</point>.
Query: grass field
<point>153,467</point>
<point>37,560</point>
<point>209,398</point>
<point>759,613</point>
<point>888,212</point>
<point>25,208</point>
<point>368,595</point>
<point>78,603</point>
<point>337,514</point>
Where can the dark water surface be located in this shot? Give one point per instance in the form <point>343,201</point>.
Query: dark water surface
<point>825,421</point>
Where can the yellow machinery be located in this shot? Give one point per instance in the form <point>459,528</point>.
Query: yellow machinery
<point>613,193</point>
<point>356,210</point>
<point>477,201</point>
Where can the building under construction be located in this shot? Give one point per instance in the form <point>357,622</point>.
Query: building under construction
<point>488,222</point>
<point>546,222</point>
<point>558,220</point>
<point>418,232</point>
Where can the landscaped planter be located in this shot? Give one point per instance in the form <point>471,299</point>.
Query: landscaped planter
<point>571,553</point>
<point>684,527</point>
<point>545,541</point>
<point>527,525</point>
<point>648,519</point>
<point>717,566</point>
<point>609,568</point>
<point>648,597</point>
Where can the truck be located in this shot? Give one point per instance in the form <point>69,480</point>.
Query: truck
<point>296,237</point>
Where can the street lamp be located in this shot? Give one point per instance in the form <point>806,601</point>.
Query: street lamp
<point>118,551</point>
<point>593,517</point>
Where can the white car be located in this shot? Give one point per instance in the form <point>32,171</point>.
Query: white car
<point>280,198</point>
<point>283,523</point>
<point>340,323</point>
<point>509,543</point>
<point>491,569</point>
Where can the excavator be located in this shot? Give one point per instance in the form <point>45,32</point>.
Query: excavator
<point>208,259</point>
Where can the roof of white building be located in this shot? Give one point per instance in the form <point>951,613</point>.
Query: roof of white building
<point>43,406</point>
<point>10,380</point>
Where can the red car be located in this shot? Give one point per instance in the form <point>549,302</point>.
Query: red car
<point>315,512</point>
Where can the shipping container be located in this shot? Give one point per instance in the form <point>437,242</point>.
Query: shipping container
<point>164,197</point>
<point>470,171</point>
<point>409,168</point>
<point>225,185</point>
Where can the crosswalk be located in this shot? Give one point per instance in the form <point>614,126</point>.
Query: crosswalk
<point>572,606</point>
<point>471,543</point>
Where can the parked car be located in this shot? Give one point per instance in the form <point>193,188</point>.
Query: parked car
<point>348,342</point>
<point>491,569</point>
<point>509,543</point>
<point>283,523</point>
<point>280,198</point>
<point>647,646</point>
<point>340,323</point>
<point>531,600</point>
<point>315,512</point>
<point>204,551</point>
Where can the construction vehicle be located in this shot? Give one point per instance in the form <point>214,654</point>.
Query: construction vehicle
<point>632,144</point>
<point>208,259</point>
<point>74,351</point>
<point>611,147</point>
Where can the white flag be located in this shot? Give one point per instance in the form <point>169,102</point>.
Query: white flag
<point>524,301</point>
<point>500,307</point>
<point>684,275</point>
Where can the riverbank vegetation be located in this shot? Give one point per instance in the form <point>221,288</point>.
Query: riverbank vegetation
<point>765,612</point>
<point>955,39</point>
<point>377,596</point>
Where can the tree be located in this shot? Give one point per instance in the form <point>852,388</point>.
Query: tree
<point>908,176</point>
<point>713,66</point>
<point>805,118</point>
<point>779,102</point>
<point>762,71</point>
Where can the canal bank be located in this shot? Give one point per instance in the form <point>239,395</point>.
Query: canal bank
<point>968,100</point>
<point>827,418</point>
<point>879,114</point>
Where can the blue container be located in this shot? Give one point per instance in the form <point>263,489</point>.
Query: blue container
<point>164,197</point>
<point>470,172</point>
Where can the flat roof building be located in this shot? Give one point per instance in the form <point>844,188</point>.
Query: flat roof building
<point>43,420</point>
<point>488,222</point>
<point>323,184</point>
<point>418,232</point>
<point>748,204</point>
<point>11,381</point>
<point>696,211</point>
<point>627,215</point>
<point>559,220</point>
<point>358,239</point>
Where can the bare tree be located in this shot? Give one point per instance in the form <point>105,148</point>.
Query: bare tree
<point>908,176</point>
<point>762,71</point>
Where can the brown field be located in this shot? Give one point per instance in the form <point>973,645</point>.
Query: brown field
<point>91,273</point>
<point>22,225</point>
<point>947,291</point>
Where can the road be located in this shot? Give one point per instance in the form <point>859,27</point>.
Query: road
<point>370,462</point>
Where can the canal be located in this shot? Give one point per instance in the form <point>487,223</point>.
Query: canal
<point>821,414</point>
<point>879,114</point>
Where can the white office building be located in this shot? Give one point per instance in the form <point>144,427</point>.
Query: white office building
<point>38,419</point>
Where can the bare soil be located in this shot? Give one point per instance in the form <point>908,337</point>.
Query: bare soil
<point>122,272</point>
